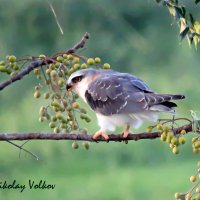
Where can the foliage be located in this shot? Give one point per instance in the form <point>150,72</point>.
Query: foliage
<point>189,26</point>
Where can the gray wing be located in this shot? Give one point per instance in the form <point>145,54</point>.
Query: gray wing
<point>123,93</point>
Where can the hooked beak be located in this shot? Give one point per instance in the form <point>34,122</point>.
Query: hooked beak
<point>69,87</point>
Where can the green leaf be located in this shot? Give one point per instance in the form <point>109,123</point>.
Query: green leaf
<point>172,10</point>
<point>191,19</point>
<point>184,33</point>
<point>197,1</point>
<point>158,1</point>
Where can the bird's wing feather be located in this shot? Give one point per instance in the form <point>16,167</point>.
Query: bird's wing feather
<point>122,93</point>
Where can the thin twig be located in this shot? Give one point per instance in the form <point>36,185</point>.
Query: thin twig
<point>21,148</point>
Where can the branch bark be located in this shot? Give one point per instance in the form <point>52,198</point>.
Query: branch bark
<point>87,137</point>
<point>39,63</point>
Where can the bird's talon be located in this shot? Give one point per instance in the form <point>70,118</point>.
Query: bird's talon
<point>100,133</point>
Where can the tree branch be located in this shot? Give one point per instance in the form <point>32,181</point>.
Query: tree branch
<point>86,137</point>
<point>38,63</point>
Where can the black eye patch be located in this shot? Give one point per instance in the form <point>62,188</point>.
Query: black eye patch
<point>77,79</point>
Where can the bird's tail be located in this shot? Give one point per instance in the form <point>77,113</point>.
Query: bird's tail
<point>162,102</point>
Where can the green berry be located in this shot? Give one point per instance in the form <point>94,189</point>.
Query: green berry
<point>69,57</point>
<point>12,58</point>
<point>76,66</point>
<point>82,110</point>
<point>13,74</point>
<point>193,179</point>
<point>46,95</point>
<point>75,105</point>
<point>86,145</point>
<point>60,82</point>
<point>36,71</point>
<point>76,60</point>
<point>3,68</point>
<point>53,118</point>
<point>183,132</point>
<point>181,140</point>
<point>59,59</point>
<point>174,141</point>
<point>41,119</point>
<point>175,150</point>
<point>42,56</point>
<point>149,129</point>
<point>90,61</point>
<point>197,144</point>
<point>16,67</point>
<point>195,150</point>
<point>59,116</point>
<point>75,145</point>
<point>83,131</point>
<point>65,62</point>
<point>163,137</point>
<point>159,126</point>
<point>64,56</point>
<point>83,66</point>
<point>97,60</point>
<point>106,66</point>
<point>87,119</point>
<point>52,125</point>
<point>48,72</point>
<point>82,116</point>
<point>37,94</point>
<point>53,73</point>
<point>56,130</point>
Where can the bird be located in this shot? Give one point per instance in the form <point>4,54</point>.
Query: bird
<point>119,99</point>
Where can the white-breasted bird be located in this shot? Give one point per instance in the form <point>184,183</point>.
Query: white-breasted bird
<point>119,99</point>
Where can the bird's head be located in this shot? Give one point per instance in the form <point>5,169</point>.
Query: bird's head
<point>80,79</point>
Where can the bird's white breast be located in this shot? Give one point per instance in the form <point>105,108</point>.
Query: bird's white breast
<point>109,123</point>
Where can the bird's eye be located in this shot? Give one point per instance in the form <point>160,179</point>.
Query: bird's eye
<point>77,79</point>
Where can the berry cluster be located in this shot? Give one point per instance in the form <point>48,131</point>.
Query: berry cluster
<point>9,66</point>
<point>194,192</point>
<point>168,136</point>
<point>62,110</point>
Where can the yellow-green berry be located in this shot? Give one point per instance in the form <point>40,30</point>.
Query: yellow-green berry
<point>36,71</point>
<point>52,125</point>
<point>56,130</point>
<point>53,73</point>
<point>59,59</point>
<point>69,57</point>
<point>97,60</point>
<point>183,132</point>
<point>86,145</point>
<point>106,66</point>
<point>59,116</point>
<point>3,68</point>
<point>75,145</point>
<point>83,66</point>
<point>46,95</point>
<point>12,58</point>
<point>90,61</point>
<point>193,179</point>
<point>174,141</point>
<point>37,94</point>
<point>75,105</point>
<point>76,66</point>
<point>76,60</point>
<point>175,150</point>
<point>181,140</point>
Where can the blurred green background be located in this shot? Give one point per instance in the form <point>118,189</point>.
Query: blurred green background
<point>133,36</point>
